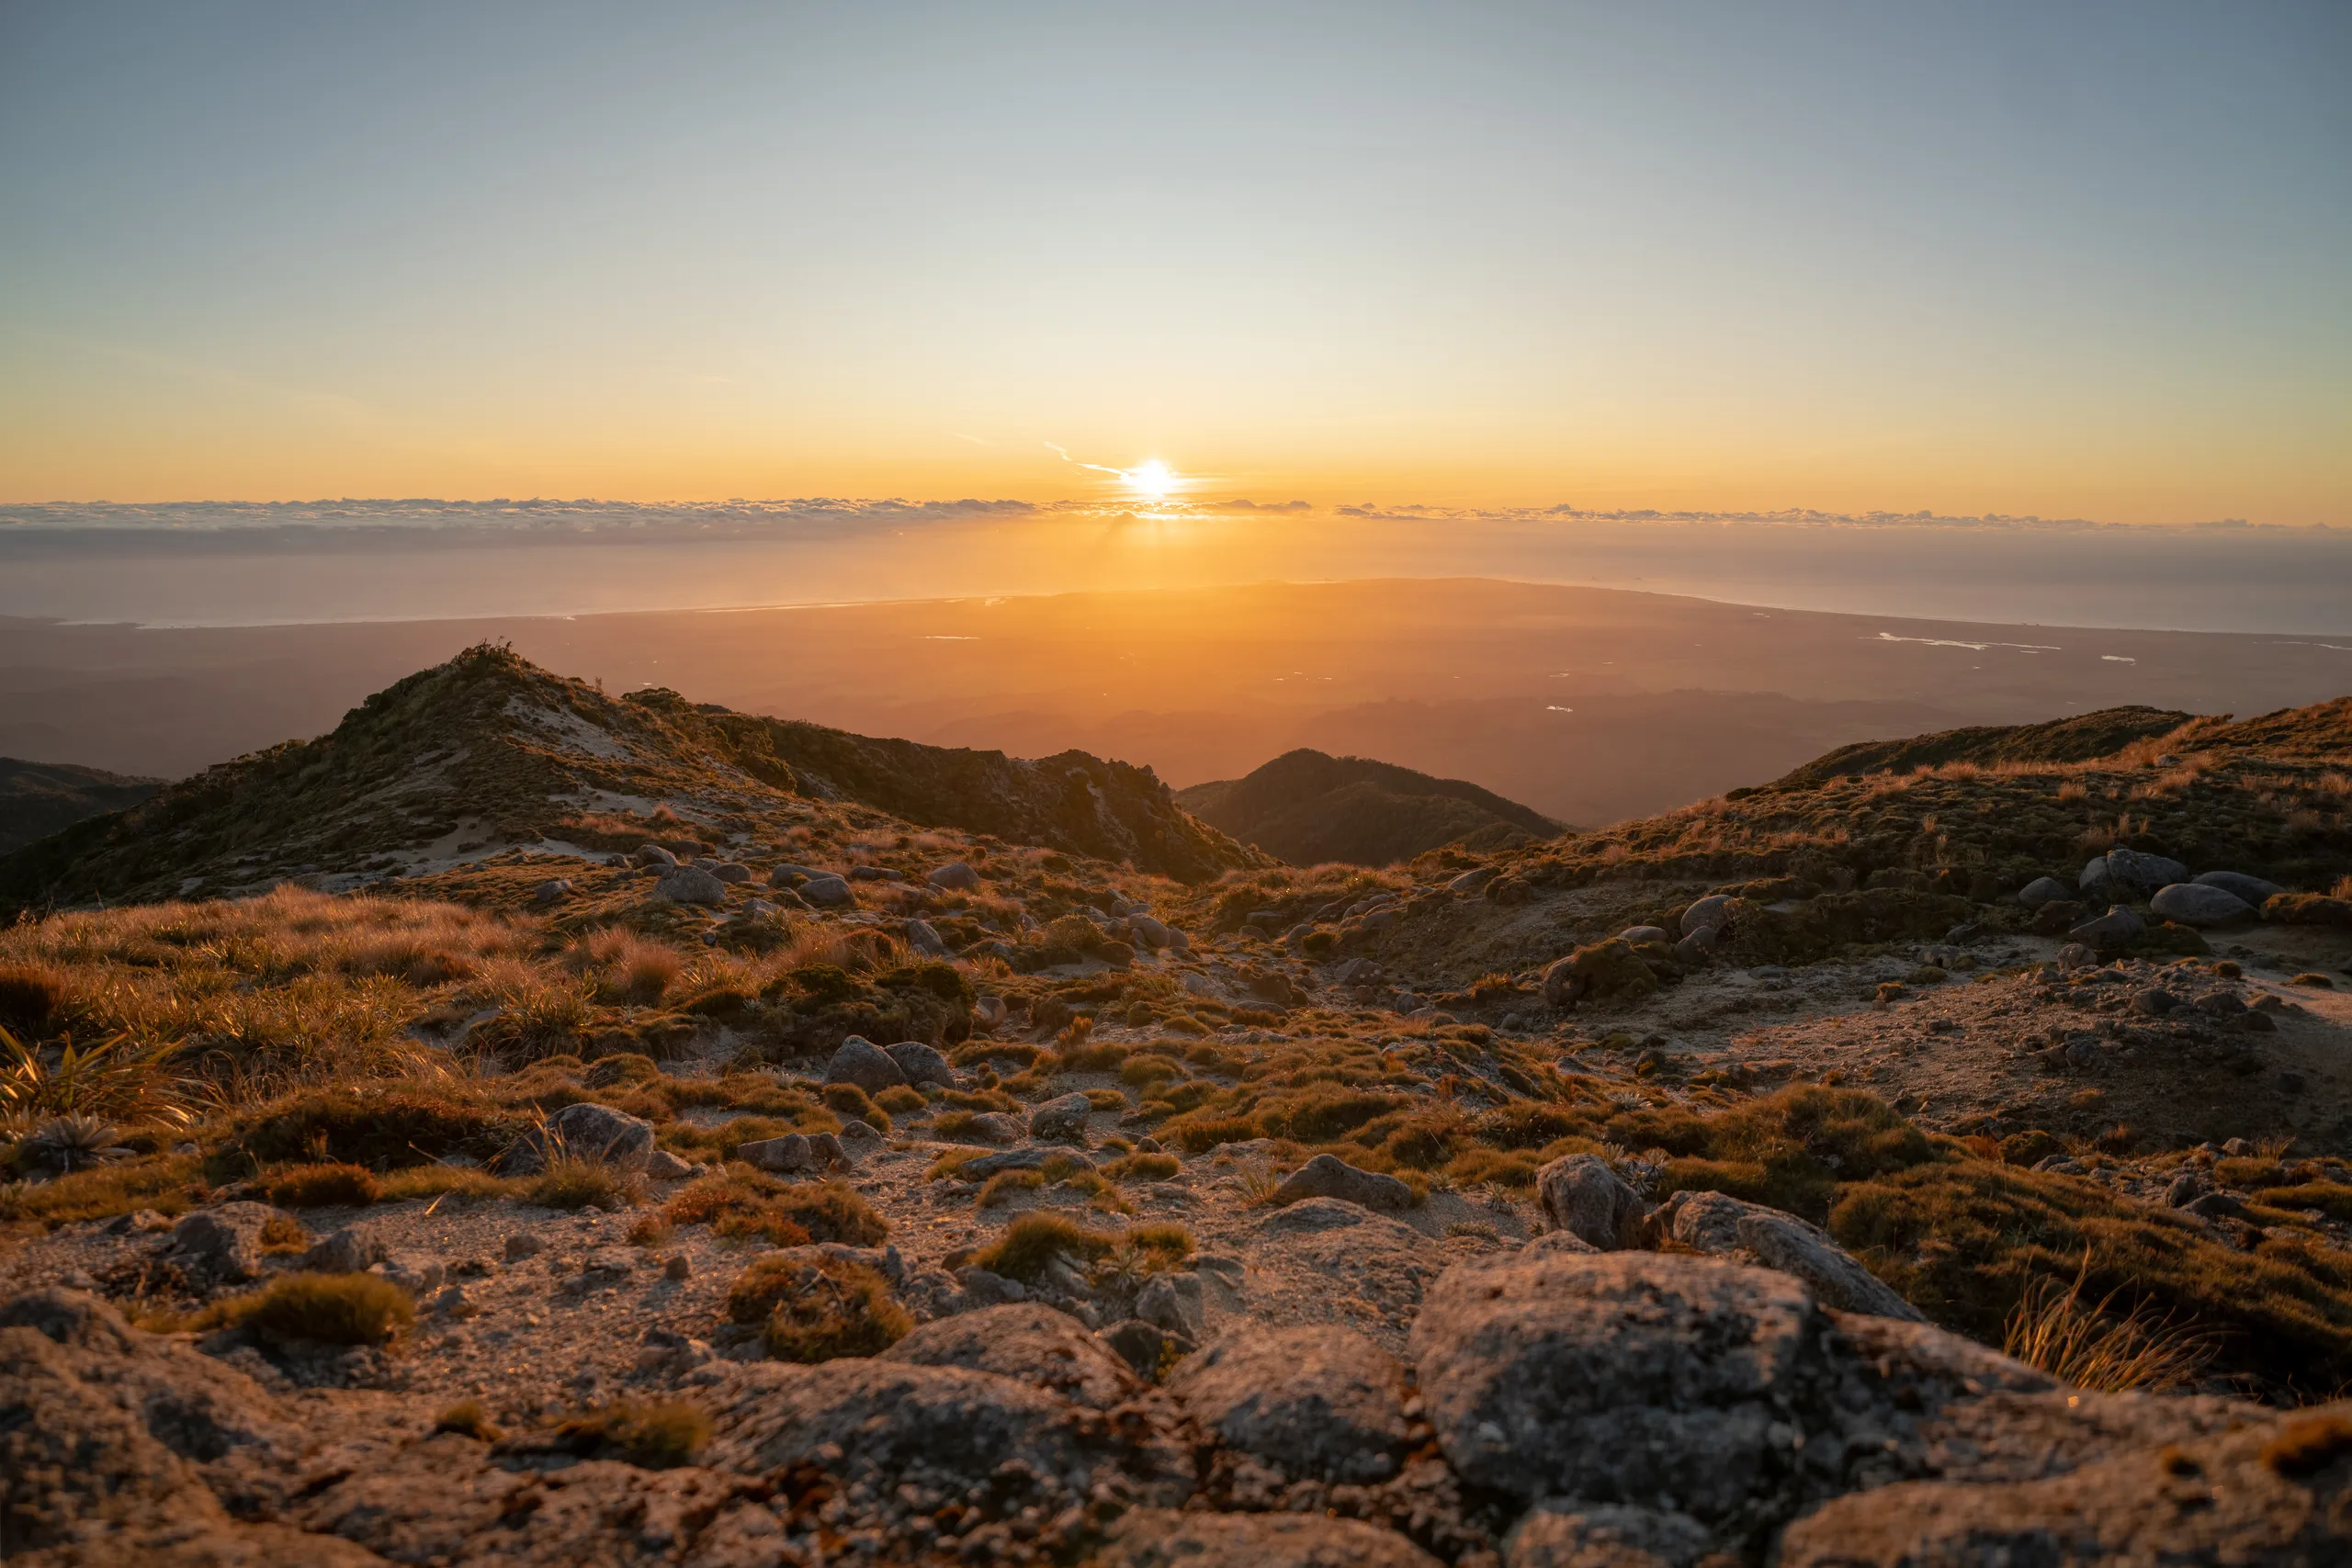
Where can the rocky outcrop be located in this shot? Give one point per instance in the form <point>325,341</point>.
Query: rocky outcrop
<point>1313,1400</point>
<point>1724,1226</point>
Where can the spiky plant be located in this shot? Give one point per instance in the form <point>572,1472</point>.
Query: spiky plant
<point>73,1143</point>
<point>119,1076</point>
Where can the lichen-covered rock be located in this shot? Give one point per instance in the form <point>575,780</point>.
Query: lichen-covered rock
<point>2197,904</point>
<point>922,1063</point>
<point>2253,891</point>
<point>861,1061</point>
<point>2274,1494</point>
<point>1030,1344</point>
<point>1724,1226</point>
<point>1709,914</point>
<point>884,1422</point>
<point>781,1155</point>
<point>1581,1195</point>
<point>224,1243</point>
<point>1623,1377</point>
<point>2044,890</point>
<point>1313,1400</point>
<point>1159,1538</point>
<point>1601,971</point>
<point>1563,1533</point>
<point>1061,1118</point>
<point>955,877</point>
<point>585,1131</point>
<point>690,885</point>
<point>1328,1176</point>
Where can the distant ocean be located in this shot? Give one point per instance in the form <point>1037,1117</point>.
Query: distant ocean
<point>206,565</point>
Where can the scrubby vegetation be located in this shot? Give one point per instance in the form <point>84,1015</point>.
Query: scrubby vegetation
<point>651,1435</point>
<point>327,1309</point>
<point>813,1308</point>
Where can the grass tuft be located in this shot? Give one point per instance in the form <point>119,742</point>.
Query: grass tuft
<point>570,1182</point>
<point>322,1185</point>
<point>650,1435</point>
<point>2053,1330</point>
<point>467,1418</point>
<point>330,1309</point>
<point>815,1309</point>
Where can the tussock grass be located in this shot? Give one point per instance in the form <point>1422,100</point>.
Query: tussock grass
<point>1032,1241</point>
<point>327,1309</point>
<point>469,1419</point>
<point>571,1182</point>
<point>2092,1345</point>
<point>322,1185</point>
<point>649,1435</point>
<point>814,1309</point>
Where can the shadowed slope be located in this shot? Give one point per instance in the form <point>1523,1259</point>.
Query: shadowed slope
<point>1308,807</point>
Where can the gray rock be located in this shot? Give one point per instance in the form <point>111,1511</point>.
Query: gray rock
<point>1629,1374</point>
<point>1709,914</point>
<point>861,1061</point>
<point>986,1166</point>
<point>731,872</point>
<point>1696,948</point>
<point>2201,904</point>
<point>1318,1215</point>
<point>790,875</point>
<point>690,885</point>
<point>1563,1533</point>
<point>1028,1343</point>
<point>414,1272</point>
<point>1582,1196</point>
<point>1555,1242</point>
<point>869,1423</point>
<point>1149,932</point>
<point>1173,1302</point>
<point>523,1244</point>
<point>781,1156</point>
<point>1471,882</point>
<point>987,1290</point>
<point>655,854</point>
<point>1316,1400</point>
<point>2130,871</point>
<point>1061,1118</point>
<point>955,877</point>
<point>826,891</point>
<point>1328,1176</point>
<point>856,1130</point>
<point>2044,890</point>
<point>2118,928</point>
<point>225,1241</point>
<point>350,1251</point>
<point>553,889</point>
<point>2253,891</point>
<point>1142,1346</point>
<point>825,1150</point>
<point>989,1012</point>
<point>1357,972</point>
<point>1724,1226</point>
<point>1640,934</point>
<point>664,1165</point>
<point>1164,1538</point>
<point>922,1063</point>
<point>584,1131</point>
<point>926,939</point>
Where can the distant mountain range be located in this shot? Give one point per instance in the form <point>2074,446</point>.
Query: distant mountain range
<point>38,799</point>
<point>1306,808</point>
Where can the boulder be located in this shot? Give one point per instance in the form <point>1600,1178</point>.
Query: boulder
<point>350,1251</point>
<point>780,1155</point>
<point>2118,927</point>
<point>826,891</point>
<point>861,1061</point>
<point>584,1131</point>
<point>1164,1538</point>
<point>2253,891</point>
<point>1642,935</point>
<point>1628,1374</point>
<point>1563,1533</point>
<point>981,1169</point>
<point>955,877</point>
<point>1148,932</point>
<point>2128,872</point>
<point>789,876</point>
<point>1064,1117</point>
<point>1328,1176</point>
<point>1603,971</point>
<point>553,890</point>
<point>2044,890</point>
<point>1173,1302</point>
<point>2201,904</point>
<point>1028,1343</point>
<point>690,885</point>
<point>871,1422</point>
<point>1581,1195</point>
<point>224,1242</point>
<point>1695,949</point>
<point>655,854</point>
<point>1316,1400</point>
<point>1142,1346</point>
<point>922,1063</point>
<point>1709,914</point>
<point>1724,1226</point>
<point>924,938</point>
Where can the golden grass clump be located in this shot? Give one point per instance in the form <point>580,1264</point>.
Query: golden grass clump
<point>2091,1346</point>
<point>814,1309</point>
<point>322,1185</point>
<point>469,1419</point>
<point>1032,1241</point>
<point>648,1435</point>
<point>329,1309</point>
<point>571,1182</point>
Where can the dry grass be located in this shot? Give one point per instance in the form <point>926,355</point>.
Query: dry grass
<point>652,1436</point>
<point>326,1309</point>
<point>2092,1345</point>
<point>815,1309</point>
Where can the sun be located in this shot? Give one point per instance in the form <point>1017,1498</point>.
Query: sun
<point>1152,480</point>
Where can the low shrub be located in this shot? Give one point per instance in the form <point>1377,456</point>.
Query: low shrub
<point>467,1418</point>
<point>1144,1167</point>
<point>814,1309</point>
<point>848,1100</point>
<point>1031,1241</point>
<point>329,1309</point>
<point>322,1185</point>
<point>381,1128</point>
<point>650,1435</point>
<point>901,1100</point>
<point>571,1182</point>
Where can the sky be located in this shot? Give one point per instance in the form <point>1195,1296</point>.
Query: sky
<point>2071,260</point>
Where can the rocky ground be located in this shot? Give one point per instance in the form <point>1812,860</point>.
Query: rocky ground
<point>805,1186</point>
